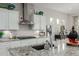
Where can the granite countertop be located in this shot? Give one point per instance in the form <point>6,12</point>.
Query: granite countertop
<point>61,50</point>
<point>27,51</point>
<point>7,40</point>
<point>19,38</point>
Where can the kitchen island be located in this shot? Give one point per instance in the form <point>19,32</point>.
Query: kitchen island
<point>61,50</point>
<point>24,48</point>
<point>5,45</point>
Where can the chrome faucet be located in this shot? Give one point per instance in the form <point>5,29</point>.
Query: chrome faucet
<point>49,31</point>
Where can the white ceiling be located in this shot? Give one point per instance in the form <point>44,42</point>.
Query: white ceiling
<point>69,8</point>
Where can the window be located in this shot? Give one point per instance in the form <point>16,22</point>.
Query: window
<point>57,21</point>
<point>51,19</point>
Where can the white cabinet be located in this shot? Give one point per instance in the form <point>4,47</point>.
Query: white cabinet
<point>39,22</point>
<point>8,20</point>
<point>3,20</point>
<point>36,22</point>
<point>13,20</point>
<point>43,23</point>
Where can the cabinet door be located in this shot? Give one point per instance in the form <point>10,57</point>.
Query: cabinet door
<point>43,23</point>
<point>13,20</point>
<point>36,19</point>
<point>3,20</point>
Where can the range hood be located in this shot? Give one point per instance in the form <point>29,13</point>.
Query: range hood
<point>23,21</point>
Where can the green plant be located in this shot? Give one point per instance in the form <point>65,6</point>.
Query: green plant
<point>11,6</point>
<point>1,34</point>
<point>7,6</point>
<point>40,12</point>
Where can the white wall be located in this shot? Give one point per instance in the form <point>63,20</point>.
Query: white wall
<point>29,9</point>
<point>21,27</point>
<point>55,14</point>
<point>18,7</point>
<point>76,23</point>
<point>69,22</point>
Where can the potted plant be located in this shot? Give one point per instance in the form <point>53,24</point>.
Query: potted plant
<point>41,13</point>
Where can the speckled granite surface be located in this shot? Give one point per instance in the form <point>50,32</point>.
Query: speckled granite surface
<point>61,50</point>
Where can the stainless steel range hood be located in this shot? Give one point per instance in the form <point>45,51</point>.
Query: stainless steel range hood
<point>24,21</point>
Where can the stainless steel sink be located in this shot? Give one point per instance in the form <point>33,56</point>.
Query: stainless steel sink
<point>38,47</point>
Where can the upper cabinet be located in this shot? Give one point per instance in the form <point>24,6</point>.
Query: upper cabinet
<point>9,20</point>
<point>36,20</point>
<point>39,22</point>
<point>13,20</point>
<point>3,20</point>
<point>43,22</point>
